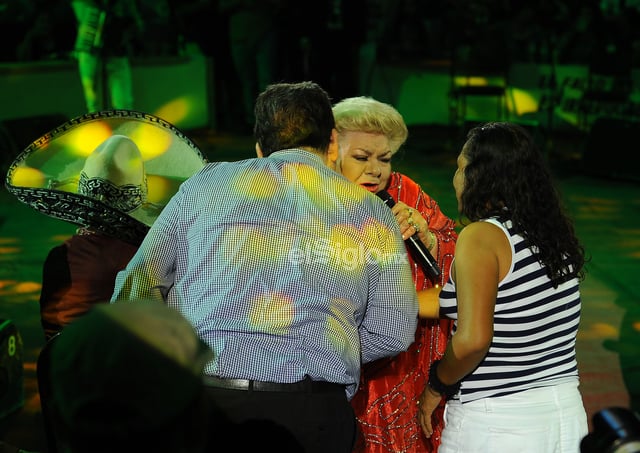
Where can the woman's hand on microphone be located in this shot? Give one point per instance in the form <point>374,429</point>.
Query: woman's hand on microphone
<point>410,222</point>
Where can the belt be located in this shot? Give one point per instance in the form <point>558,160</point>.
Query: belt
<point>307,385</point>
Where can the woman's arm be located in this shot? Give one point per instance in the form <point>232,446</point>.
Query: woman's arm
<point>482,259</point>
<point>429,303</point>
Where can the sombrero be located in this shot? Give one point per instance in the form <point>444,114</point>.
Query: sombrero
<point>113,171</point>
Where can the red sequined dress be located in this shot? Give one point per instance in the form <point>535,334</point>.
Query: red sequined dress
<point>386,402</point>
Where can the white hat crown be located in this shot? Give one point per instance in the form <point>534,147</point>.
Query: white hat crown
<point>114,174</point>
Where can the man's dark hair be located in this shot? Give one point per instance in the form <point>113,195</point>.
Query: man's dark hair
<point>293,115</point>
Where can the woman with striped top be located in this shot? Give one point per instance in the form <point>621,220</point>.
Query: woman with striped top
<point>509,374</point>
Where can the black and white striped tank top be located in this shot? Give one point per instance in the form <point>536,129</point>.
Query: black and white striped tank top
<point>535,328</point>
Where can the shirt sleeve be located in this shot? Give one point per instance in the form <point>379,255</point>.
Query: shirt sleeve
<point>391,317</point>
<point>150,273</point>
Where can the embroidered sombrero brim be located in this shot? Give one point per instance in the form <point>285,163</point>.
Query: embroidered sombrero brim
<point>45,175</point>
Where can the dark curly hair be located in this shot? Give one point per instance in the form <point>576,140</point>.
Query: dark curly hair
<point>507,176</point>
<point>293,115</point>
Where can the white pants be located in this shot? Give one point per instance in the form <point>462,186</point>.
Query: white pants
<point>543,420</point>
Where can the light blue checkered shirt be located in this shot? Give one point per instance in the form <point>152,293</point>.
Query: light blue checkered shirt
<point>284,267</point>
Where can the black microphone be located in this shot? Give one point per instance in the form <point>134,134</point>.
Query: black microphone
<point>418,250</point>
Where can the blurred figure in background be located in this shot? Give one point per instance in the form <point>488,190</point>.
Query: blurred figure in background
<point>127,378</point>
<point>107,31</point>
<point>323,39</point>
<point>160,29</point>
<point>47,33</point>
<point>253,41</point>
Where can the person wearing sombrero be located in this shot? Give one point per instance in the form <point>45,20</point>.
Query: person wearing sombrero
<point>111,174</point>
